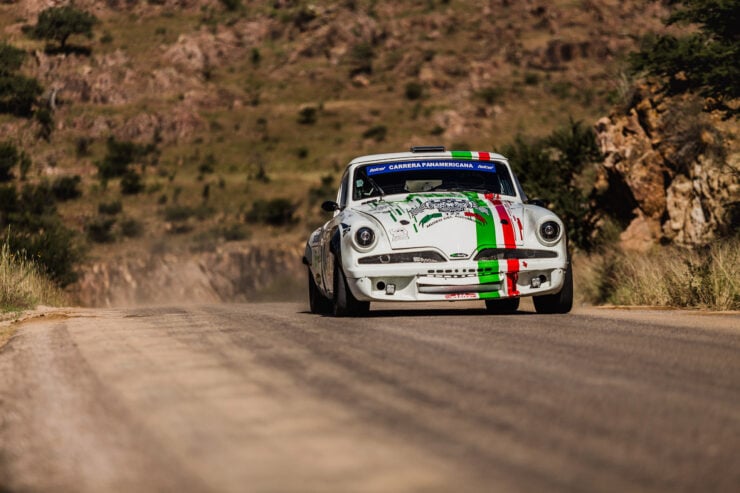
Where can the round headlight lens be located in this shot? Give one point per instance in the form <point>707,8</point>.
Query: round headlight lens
<point>365,237</point>
<point>550,231</point>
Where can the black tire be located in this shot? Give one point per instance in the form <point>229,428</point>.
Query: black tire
<point>317,302</point>
<point>345,304</point>
<point>561,302</point>
<point>506,305</point>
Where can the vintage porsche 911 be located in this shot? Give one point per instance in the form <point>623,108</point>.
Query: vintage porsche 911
<point>436,225</point>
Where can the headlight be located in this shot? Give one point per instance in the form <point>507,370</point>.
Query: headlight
<point>365,237</point>
<point>549,232</point>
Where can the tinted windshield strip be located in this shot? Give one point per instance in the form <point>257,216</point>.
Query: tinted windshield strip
<point>446,164</point>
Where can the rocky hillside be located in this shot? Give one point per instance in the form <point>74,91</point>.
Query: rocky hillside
<point>671,173</point>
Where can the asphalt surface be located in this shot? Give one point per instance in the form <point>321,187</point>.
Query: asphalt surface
<point>266,397</point>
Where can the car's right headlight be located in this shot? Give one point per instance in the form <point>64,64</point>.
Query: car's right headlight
<point>549,232</point>
<point>365,238</point>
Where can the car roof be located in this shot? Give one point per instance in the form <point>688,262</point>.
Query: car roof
<point>398,156</point>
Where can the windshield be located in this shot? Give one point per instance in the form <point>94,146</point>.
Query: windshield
<point>375,180</point>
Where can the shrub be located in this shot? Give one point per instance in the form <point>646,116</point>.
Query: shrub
<point>82,146</point>
<point>25,165</point>
<point>18,94</point>
<point>66,188</point>
<point>8,159</point>
<point>275,212</point>
<point>100,229</point>
<point>120,154</point>
<point>308,115</point>
<point>208,165</point>
<point>131,183</point>
<point>414,91</point>
<point>490,94</point>
<point>323,191</point>
<point>131,228</point>
<point>377,133</point>
<point>361,59</point>
<point>11,58</point>
<point>46,123</point>
<point>110,208</point>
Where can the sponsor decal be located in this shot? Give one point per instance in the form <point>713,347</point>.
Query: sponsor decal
<point>461,296</point>
<point>448,206</point>
<point>449,164</point>
<point>399,234</point>
<point>459,255</point>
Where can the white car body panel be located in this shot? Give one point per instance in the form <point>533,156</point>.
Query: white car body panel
<point>453,227</point>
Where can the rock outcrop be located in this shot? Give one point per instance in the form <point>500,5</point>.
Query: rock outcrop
<point>234,272</point>
<point>671,172</point>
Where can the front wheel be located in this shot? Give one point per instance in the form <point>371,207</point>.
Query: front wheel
<point>345,304</point>
<point>560,302</point>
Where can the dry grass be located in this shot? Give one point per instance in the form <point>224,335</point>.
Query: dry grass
<point>665,276</point>
<point>22,286</point>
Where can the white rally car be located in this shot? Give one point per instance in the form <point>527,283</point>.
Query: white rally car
<point>435,225</point>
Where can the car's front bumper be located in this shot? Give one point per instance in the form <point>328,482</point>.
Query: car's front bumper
<point>456,280</point>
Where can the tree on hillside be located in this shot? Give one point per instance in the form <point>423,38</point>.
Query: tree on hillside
<point>59,23</point>
<point>706,61</point>
<point>551,168</point>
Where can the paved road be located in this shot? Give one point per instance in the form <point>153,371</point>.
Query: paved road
<point>265,397</point>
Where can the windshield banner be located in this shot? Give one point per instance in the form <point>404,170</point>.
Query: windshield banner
<point>453,164</point>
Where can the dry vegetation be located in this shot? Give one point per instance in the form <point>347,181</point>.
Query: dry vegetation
<point>21,285</point>
<point>707,278</point>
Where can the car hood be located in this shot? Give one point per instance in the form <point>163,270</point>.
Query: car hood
<point>457,223</point>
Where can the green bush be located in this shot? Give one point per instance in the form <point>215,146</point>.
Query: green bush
<point>11,59</point>
<point>131,228</point>
<point>8,159</point>
<point>66,188</point>
<point>361,59</point>
<point>308,115</point>
<point>120,154</point>
<point>131,183</point>
<point>413,91</point>
<point>100,229</point>
<point>275,212</point>
<point>377,133</point>
<point>324,191</point>
<point>490,94</point>
<point>110,208</point>
<point>46,123</point>
<point>18,94</point>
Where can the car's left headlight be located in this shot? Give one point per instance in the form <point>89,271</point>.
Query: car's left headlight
<point>365,238</point>
<point>549,232</point>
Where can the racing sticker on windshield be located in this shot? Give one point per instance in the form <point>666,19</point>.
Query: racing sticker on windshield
<point>444,164</point>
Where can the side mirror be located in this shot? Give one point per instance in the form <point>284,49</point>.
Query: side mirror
<point>538,202</point>
<point>330,206</point>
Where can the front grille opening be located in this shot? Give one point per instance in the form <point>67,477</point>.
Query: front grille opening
<point>513,253</point>
<point>403,258</point>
